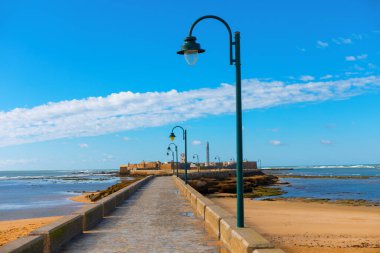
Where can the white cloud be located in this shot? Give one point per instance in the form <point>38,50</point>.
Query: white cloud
<point>362,57</point>
<point>357,36</point>
<point>326,142</point>
<point>358,57</point>
<point>326,77</point>
<point>371,66</point>
<point>340,41</point>
<point>350,73</point>
<point>196,142</point>
<point>126,138</point>
<point>107,158</point>
<point>83,145</point>
<point>275,142</point>
<point>124,111</point>
<point>307,78</point>
<point>322,44</point>
<point>357,67</point>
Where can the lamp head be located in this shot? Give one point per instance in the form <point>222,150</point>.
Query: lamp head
<point>167,153</point>
<point>190,49</point>
<point>169,149</point>
<point>172,136</point>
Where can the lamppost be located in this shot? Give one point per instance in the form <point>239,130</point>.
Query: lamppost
<point>167,153</point>
<point>218,157</point>
<point>176,154</point>
<point>196,156</point>
<point>259,163</point>
<point>190,50</point>
<point>172,137</point>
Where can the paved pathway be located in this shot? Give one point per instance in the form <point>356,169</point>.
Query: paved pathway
<point>157,218</point>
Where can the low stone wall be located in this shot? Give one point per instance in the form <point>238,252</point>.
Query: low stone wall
<point>223,224</point>
<point>60,232</point>
<point>92,215</point>
<point>151,172</point>
<point>51,237</point>
<point>26,244</point>
<point>221,174</point>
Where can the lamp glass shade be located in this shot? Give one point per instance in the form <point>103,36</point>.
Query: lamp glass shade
<point>172,136</point>
<point>191,56</point>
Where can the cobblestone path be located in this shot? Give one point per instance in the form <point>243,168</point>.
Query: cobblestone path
<point>157,218</point>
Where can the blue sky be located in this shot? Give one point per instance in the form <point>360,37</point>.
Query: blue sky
<point>93,84</point>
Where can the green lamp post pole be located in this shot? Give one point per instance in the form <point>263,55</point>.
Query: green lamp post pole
<point>196,156</point>
<point>176,154</point>
<point>172,137</point>
<point>190,50</point>
<point>169,150</point>
<point>218,157</point>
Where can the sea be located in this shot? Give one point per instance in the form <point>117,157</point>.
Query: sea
<point>358,182</point>
<point>29,194</point>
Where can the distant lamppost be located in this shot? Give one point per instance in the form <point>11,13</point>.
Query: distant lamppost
<point>172,137</point>
<point>196,156</point>
<point>259,163</point>
<point>190,50</point>
<point>167,153</point>
<point>218,157</point>
<point>176,154</point>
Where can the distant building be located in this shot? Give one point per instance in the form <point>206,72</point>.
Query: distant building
<point>123,169</point>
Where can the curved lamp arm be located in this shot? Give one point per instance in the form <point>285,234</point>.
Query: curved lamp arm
<point>232,60</point>
<point>175,146</point>
<point>183,130</point>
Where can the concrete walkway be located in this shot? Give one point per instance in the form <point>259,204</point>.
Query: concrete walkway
<point>157,218</point>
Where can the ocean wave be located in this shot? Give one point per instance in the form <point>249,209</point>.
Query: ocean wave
<point>95,175</point>
<point>39,204</point>
<point>354,166</point>
<point>13,206</point>
<point>20,177</point>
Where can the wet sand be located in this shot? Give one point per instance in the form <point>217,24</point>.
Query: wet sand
<point>13,229</point>
<point>299,227</point>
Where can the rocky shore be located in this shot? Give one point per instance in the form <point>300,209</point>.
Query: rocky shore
<point>95,196</point>
<point>254,186</point>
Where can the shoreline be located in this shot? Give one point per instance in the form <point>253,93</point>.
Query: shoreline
<point>83,198</point>
<point>301,227</point>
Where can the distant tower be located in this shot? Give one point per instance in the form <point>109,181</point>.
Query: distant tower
<point>207,154</point>
<point>182,157</point>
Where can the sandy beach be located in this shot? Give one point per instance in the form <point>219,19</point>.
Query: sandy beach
<point>299,227</point>
<point>83,198</point>
<point>13,229</point>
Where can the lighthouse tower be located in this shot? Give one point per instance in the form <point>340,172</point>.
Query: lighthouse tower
<point>207,154</point>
